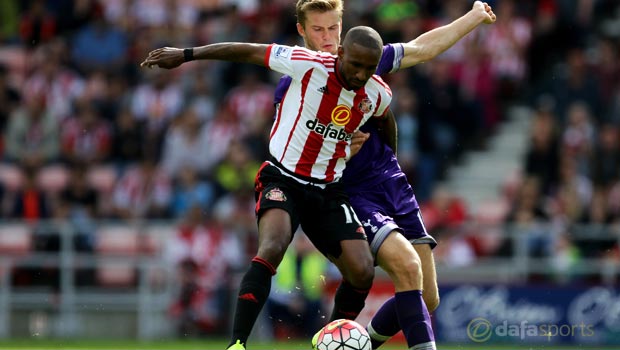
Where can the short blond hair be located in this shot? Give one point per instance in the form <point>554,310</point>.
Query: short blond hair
<point>305,6</point>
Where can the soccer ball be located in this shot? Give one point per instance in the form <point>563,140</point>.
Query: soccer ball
<point>343,335</point>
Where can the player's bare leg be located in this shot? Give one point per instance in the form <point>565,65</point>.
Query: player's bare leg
<point>356,266</point>
<point>274,236</point>
<point>404,266</point>
<point>430,291</point>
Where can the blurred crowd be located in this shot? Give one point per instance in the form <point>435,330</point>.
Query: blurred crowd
<point>86,134</point>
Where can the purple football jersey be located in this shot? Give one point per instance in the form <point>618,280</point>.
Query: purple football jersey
<point>376,161</point>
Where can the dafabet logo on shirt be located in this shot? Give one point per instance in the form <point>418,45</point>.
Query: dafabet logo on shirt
<point>341,115</point>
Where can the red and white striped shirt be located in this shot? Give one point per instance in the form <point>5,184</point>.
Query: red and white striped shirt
<point>311,135</point>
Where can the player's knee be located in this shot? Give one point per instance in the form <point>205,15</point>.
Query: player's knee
<point>272,249</point>
<point>404,266</point>
<point>361,274</point>
<point>410,266</point>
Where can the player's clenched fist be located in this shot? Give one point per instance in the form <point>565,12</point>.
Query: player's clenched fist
<point>357,141</point>
<point>486,10</point>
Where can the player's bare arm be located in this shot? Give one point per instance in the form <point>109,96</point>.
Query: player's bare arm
<point>358,139</point>
<point>389,131</point>
<point>432,43</point>
<point>172,57</point>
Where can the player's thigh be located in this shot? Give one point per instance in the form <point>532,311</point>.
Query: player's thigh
<point>276,214</point>
<point>400,260</point>
<point>274,234</point>
<point>336,232</point>
<point>429,276</point>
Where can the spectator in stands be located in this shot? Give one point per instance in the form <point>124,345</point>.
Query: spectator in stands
<point>32,135</point>
<point>128,140</point>
<point>220,133</point>
<point>156,102</point>
<point>251,101</point>
<point>543,151</point>
<point>79,205</point>
<point>406,114</point>
<point>606,156</point>
<point>528,221</point>
<point>576,83</point>
<point>206,254</point>
<point>37,25</point>
<point>599,219</point>
<point>202,97</point>
<point>506,45</point>
<point>573,192</point>
<point>143,191</point>
<point>186,144</point>
<point>238,170</point>
<point>564,258</point>
<point>444,211</point>
<point>445,214</point>
<point>9,101</point>
<point>440,111</point>
<point>30,203</point>
<point>478,87</point>
<point>578,136</point>
<point>607,70</point>
<point>295,305</point>
<point>99,46</point>
<point>73,15</point>
<point>51,78</point>
<point>191,191</point>
<point>85,137</point>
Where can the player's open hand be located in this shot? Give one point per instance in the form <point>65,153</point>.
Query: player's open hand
<point>357,141</point>
<point>486,11</point>
<point>165,57</point>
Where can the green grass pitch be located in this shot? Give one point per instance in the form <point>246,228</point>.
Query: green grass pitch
<point>51,344</point>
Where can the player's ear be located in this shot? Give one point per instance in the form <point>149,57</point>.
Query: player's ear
<point>300,30</point>
<point>340,51</point>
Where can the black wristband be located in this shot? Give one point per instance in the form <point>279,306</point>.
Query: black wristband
<point>188,54</point>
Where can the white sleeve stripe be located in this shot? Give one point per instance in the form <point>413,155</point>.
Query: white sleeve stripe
<point>399,53</point>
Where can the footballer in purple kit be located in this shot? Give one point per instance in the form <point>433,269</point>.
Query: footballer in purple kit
<point>378,189</point>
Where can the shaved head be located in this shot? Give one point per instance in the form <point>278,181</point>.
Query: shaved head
<point>359,55</point>
<point>365,37</point>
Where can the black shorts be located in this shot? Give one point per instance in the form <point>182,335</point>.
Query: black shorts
<point>324,214</point>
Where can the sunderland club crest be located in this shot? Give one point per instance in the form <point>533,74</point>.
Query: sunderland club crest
<point>276,194</point>
<point>365,105</point>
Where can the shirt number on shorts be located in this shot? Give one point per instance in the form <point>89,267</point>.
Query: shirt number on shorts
<point>350,214</point>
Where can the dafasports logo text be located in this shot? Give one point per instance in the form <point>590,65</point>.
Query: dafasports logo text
<point>328,131</point>
<point>480,330</point>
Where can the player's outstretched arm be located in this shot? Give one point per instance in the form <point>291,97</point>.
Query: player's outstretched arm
<point>432,43</point>
<point>172,57</point>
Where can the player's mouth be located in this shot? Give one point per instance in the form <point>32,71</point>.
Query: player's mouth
<point>356,84</point>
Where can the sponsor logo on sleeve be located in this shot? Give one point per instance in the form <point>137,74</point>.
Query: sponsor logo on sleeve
<point>282,51</point>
